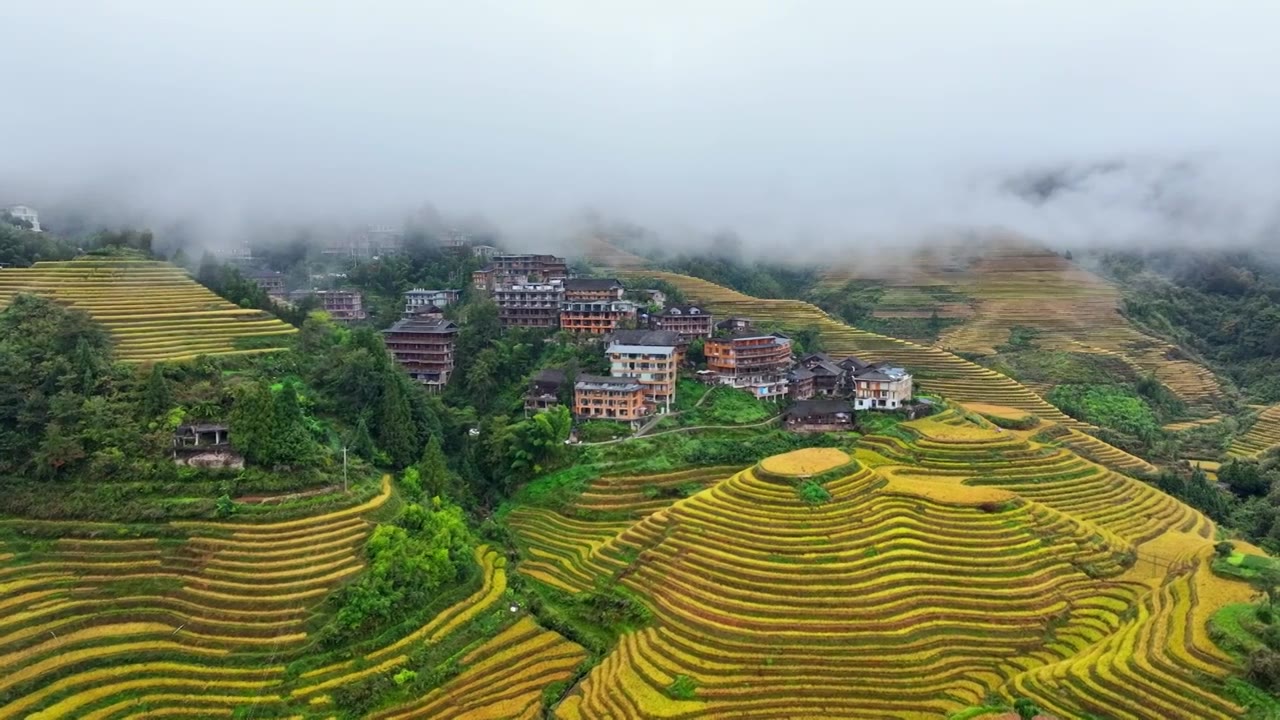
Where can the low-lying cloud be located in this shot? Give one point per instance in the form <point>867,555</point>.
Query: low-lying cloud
<point>797,126</point>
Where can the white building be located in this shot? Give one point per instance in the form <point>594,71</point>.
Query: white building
<point>26,214</point>
<point>881,388</point>
<point>418,298</point>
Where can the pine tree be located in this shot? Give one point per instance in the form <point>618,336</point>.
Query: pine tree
<point>157,399</point>
<point>360,443</point>
<point>395,430</point>
<point>433,468</point>
<point>293,443</point>
<point>253,424</point>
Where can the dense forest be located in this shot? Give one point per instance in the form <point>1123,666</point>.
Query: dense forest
<point>1222,307</point>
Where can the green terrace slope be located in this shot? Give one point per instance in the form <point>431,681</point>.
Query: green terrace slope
<point>935,370</point>
<point>951,562</point>
<point>154,311</point>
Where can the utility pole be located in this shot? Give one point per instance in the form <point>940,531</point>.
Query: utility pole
<point>344,469</point>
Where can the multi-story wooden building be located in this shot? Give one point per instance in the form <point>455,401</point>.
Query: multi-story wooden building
<point>752,361</point>
<point>650,357</point>
<point>529,305</point>
<point>800,383</point>
<point>423,346</point>
<point>609,398</point>
<point>484,280</point>
<point>688,321</point>
<point>593,289</point>
<point>418,298</point>
<point>544,390</point>
<point>533,268</point>
<point>270,281</point>
<point>595,317</point>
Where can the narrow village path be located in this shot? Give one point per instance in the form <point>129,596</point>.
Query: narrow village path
<point>672,431</point>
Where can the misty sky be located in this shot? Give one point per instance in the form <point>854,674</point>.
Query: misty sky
<point>824,121</point>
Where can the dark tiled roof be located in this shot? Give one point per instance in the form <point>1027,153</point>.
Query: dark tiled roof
<point>808,408</point>
<point>550,376</point>
<point>588,382</point>
<point>423,326</point>
<point>660,338</point>
<point>800,373</point>
<point>584,284</point>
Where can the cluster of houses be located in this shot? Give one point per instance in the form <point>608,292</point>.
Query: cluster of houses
<point>646,344</point>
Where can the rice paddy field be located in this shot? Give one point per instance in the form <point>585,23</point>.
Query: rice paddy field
<point>154,311</point>
<point>961,563</point>
<point>1009,283</point>
<point>212,619</point>
<point>1262,436</point>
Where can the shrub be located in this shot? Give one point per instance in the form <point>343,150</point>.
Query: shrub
<point>812,493</point>
<point>682,688</point>
<point>404,676</point>
<point>1224,549</point>
<point>224,506</point>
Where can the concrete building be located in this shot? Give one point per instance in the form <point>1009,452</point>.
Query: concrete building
<point>484,252</point>
<point>882,387</point>
<point>484,280</point>
<point>423,346</point>
<point>593,289</point>
<point>25,214</point>
<point>270,281</point>
<point>688,321</point>
<point>418,298</point>
<point>650,357</point>
<point>609,398</point>
<point>752,361</point>
<point>595,317</point>
<point>529,305</point>
<point>342,305</point>
<point>373,241</point>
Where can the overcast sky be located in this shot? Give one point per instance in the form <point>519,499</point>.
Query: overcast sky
<point>827,121</point>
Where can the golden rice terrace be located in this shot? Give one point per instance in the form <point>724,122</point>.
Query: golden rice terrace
<point>153,310</point>
<point>952,562</point>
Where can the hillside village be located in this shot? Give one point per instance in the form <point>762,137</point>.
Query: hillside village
<point>647,343</point>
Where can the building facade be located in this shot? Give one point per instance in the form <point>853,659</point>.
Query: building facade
<point>881,387</point>
<point>423,346</point>
<point>373,241</point>
<point>25,214</point>
<point>609,398</point>
<point>544,390</point>
<point>532,268</point>
<point>593,289</point>
<point>688,321</point>
<point>529,305</point>
<point>342,305</point>
<point>756,362</point>
<point>649,357</point>
<point>418,298</point>
<point>270,281</point>
<point>595,317</point>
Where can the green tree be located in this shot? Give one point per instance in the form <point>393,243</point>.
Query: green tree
<point>396,434</point>
<point>539,441</point>
<point>360,443</point>
<point>157,399</point>
<point>1026,709</point>
<point>253,423</point>
<point>433,468</point>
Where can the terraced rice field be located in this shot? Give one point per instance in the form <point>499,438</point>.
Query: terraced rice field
<point>504,678</point>
<point>935,370</point>
<point>1014,283</point>
<point>206,622</point>
<point>169,616</point>
<point>154,310</point>
<point>985,562</point>
<point>1264,435</point>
